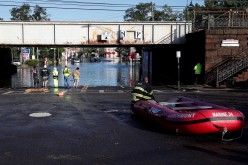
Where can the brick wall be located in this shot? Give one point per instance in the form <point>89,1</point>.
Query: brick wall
<point>214,53</point>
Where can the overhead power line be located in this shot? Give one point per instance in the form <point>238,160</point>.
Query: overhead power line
<point>77,3</point>
<point>69,8</point>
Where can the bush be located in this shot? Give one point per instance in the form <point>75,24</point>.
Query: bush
<point>31,63</point>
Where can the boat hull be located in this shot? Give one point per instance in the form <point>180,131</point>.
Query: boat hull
<point>190,116</point>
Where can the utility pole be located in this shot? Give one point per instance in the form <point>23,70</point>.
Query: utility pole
<point>187,11</point>
<point>152,12</point>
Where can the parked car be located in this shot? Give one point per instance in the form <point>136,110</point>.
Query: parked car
<point>16,62</point>
<point>75,60</point>
<point>94,58</point>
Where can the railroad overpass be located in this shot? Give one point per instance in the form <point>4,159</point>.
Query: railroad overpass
<point>92,33</point>
<point>168,36</point>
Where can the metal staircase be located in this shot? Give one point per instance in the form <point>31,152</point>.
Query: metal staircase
<point>166,39</point>
<point>226,69</point>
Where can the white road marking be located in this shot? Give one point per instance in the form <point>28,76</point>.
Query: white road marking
<point>120,91</point>
<point>159,91</point>
<point>8,92</point>
<point>40,114</point>
<point>112,110</point>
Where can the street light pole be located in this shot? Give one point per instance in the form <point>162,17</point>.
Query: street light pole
<point>54,55</point>
<point>178,53</point>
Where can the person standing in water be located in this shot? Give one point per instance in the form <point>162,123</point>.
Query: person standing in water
<point>76,75</point>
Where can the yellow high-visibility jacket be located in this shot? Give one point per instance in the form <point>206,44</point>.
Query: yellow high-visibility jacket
<point>139,93</point>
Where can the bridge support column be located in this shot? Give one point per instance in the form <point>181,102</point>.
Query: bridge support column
<point>6,69</point>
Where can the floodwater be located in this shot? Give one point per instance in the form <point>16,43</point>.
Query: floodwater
<point>92,74</point>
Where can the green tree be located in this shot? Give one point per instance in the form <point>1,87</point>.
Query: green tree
<point>1,19</point>
<point>189,10</point>
<point>89,50</point>
<point>139,13</point>
<point>25,13</point>
<point>122,51</point>
<point>226,4</point>
<point>167,14</point>
<point>148,12</point>
<point>40,13</point>
<point>21,13</point>
<point>45,52</point>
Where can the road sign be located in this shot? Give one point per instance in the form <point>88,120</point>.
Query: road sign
<point>25,51</point>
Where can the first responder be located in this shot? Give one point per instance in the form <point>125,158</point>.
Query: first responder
<point>55,77</point>
<point>142,91</point>
<point>66,73</point>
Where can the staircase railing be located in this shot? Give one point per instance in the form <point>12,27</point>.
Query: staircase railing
<point>235,66</point>
<point>211,74</point>
<point>166,39</point>
<point>226,68</point>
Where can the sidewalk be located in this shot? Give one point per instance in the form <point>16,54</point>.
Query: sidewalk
<point>206,88</point>
<point>128,89</point>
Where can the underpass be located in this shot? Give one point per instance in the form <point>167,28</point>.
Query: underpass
<point>80,34</point>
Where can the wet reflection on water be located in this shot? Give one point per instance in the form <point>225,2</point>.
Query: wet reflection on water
<point>105,73</point>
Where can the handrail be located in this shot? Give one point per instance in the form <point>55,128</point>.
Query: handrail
<point>211,74</point>
<point>166,38</point>
<point>235,67</point>
<point>226,67</point>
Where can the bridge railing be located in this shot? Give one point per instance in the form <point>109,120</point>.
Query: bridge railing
<point>221,19</point>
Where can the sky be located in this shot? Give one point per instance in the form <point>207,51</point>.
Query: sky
<point>86,10</point>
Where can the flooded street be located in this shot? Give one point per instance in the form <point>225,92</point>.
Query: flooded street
<point>105,73</point>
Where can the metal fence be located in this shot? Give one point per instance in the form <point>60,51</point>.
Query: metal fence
<point>220,19</point>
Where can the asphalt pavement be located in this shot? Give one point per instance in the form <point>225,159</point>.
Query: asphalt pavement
<point>95,126</point>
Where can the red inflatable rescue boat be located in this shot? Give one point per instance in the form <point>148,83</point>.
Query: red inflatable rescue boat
<point>189,116</point>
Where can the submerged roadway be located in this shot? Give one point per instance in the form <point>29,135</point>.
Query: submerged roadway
<point>96,126</point>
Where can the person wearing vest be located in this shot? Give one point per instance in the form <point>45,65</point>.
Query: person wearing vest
<point>44,75</point>
<point>76,75</point>
<point>197,68</point>
<point>142,91</point>
<point>55,77</point>
<point>66,73</point>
